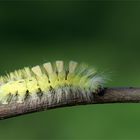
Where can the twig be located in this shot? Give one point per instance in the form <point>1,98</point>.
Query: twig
<point>108,95</point>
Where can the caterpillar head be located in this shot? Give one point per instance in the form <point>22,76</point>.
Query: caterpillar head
<point>44,81</point>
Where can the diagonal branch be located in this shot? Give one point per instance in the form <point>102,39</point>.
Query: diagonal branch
<point>107,95</point>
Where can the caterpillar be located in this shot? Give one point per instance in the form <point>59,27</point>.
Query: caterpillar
<point>53,82</point>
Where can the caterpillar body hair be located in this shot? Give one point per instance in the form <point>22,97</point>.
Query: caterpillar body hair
<point>50,83</point>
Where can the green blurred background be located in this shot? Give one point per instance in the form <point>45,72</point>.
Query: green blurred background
<point>105,34</point>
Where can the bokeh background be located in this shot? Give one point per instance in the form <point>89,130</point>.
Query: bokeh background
<point>105,34</point>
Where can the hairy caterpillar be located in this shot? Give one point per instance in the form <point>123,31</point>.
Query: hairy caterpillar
<point>52,82</point>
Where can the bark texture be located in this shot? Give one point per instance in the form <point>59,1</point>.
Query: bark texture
<point>107,95</point>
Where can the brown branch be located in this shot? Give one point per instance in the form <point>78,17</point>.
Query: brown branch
<point>108,95</point>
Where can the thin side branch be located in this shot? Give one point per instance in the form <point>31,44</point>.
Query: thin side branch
<point>108,95</point>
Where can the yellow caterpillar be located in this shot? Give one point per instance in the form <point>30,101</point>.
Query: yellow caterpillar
<point>16,85</point>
